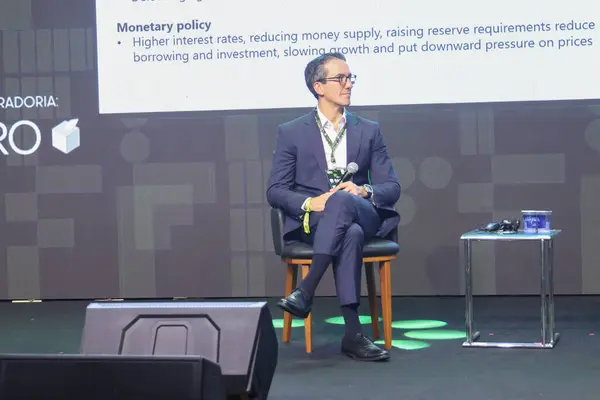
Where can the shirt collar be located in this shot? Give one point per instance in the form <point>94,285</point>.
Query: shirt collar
<point>326,123</point>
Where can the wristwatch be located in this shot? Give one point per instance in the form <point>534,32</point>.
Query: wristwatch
<point>369,190</point>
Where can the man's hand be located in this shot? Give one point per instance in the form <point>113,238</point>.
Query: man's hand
<point>317,204</point>
<point>351,188</point>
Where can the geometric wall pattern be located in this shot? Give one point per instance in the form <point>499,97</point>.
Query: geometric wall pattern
<point>174,205</point>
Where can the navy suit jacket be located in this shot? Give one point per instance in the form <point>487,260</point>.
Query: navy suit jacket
<point>299,165</point>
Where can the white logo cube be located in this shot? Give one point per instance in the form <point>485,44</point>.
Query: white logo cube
<point>65,136</point>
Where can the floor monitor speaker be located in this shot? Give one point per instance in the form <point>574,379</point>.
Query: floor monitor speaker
<point>77,376</point>
<point>239,336</point>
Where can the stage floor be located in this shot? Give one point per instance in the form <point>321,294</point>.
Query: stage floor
<point>429,364</point>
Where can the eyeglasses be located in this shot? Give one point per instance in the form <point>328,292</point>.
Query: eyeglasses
<point>341,79</point>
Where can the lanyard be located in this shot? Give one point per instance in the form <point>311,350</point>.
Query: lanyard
<point>333,145</point>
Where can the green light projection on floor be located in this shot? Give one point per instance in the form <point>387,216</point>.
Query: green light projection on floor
<point>406,344</point>
<point>421,329</point>
<point>436,334</point>
<point>364,319</point>
<point>296,323</point>
<point>418,324</point>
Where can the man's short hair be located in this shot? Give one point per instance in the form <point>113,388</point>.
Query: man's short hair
<point>315,70</point>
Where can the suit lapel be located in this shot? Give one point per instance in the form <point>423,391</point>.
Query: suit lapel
<point>354,137</point>
<point>316,142</point>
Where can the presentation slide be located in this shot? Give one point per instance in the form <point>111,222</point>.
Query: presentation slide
<point>198,55</point>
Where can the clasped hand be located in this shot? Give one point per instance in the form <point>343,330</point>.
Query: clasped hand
<point>317,204</point>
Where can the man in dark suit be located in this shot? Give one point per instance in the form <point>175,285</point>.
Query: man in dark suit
<point>335,218</point>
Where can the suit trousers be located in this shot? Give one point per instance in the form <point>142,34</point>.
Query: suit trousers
<point>340,231</point>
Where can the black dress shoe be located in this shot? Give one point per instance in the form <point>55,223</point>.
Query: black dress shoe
<point>362,348</point>
<point>297,304</point>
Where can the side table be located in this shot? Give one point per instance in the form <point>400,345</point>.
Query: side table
<point>549,336</point>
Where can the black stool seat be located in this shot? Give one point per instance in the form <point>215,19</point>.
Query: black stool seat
<point>373,248</point>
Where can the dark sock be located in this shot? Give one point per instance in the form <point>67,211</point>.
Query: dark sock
<point>320,262</point>
<point>350,314</point>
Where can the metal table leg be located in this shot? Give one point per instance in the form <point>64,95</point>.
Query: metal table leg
<point>555,335</point>
<point>467,259</point>
<point>544,289</point>
<point>549,336</point>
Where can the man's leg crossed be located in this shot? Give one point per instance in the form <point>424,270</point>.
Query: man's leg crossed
<point>347,269</point>
<point>341,231</point>
<point>341,211</point>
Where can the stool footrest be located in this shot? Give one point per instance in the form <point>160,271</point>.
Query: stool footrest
<point>511,345</point>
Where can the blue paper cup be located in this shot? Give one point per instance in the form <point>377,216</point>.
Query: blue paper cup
<point>536,221</point>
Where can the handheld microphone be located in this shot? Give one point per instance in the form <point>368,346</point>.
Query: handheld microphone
<point>351,169</point>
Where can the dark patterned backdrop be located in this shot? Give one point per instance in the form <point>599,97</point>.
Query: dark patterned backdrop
<point>174,205</point>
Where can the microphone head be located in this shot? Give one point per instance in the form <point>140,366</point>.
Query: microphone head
<point>352,168</point>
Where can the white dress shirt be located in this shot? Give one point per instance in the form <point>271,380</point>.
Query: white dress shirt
<point>340,151</point>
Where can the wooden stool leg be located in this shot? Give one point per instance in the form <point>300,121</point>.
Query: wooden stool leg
<point>290,284</point>
<point>308,320</point>
<point>372,293</point>
<point>385,278</point>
